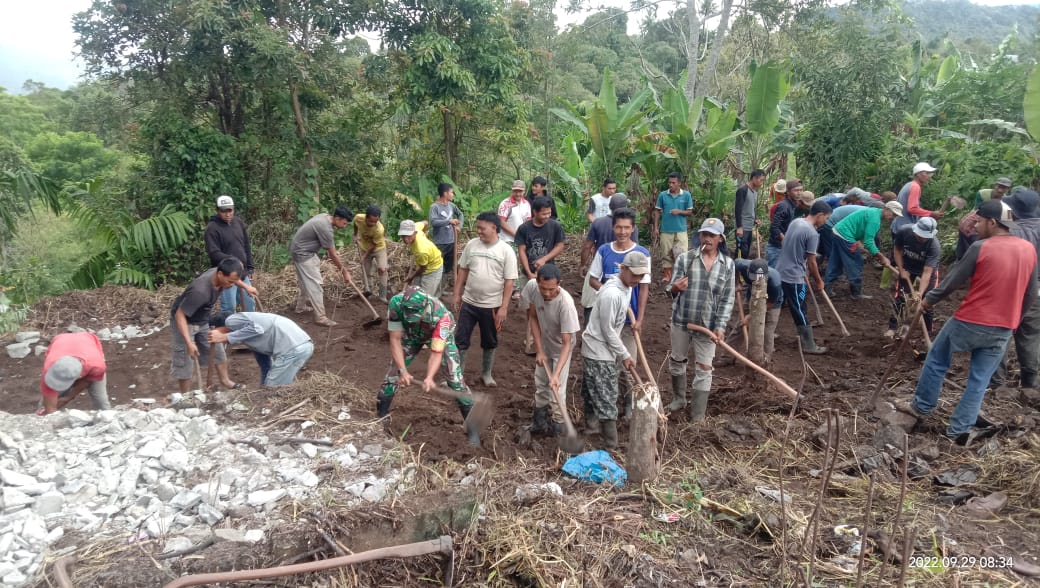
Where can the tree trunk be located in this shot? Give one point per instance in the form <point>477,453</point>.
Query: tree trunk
<point>713,59</point>
<point>310,163</point>
<point>449,142</point>
<point>643,459</point>
<point>757,329</point>
<point>693,42</point>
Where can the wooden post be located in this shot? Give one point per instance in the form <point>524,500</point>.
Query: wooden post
<point>642,457</point>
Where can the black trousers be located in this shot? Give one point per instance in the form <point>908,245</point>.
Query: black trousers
<point>448,254</point>
<point>471,316</point>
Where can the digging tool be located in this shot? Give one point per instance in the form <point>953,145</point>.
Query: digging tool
<point>758,243</point>
<point>364,272</point>
<point>570,443</point>
<point>482,411</point>
<point>743,318</point>
<point>841,323</point>
<point>198,373</point>
<point>779,383</point>
<point>892,364</point>
<point>816,305</point>
<point>376,319</point>
<point>642,354</point>
<point>916,298</point>
<point>455,254</point>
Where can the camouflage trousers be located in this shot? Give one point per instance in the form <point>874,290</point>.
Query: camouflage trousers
<point>599,389</point>
<point>451,369</point>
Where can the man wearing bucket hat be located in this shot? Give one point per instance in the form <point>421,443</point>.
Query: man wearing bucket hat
<point>704,283</point>
<point>909,197</point>
<point>1000,272</point>
<point>1025,206</point>
<point>915,253</point>
<point>416,320</point>
<point>74,362</point>
<point>602,348</point>
<point>854,231</point>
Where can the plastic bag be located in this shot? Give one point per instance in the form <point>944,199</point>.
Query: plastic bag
<point>596,467</point>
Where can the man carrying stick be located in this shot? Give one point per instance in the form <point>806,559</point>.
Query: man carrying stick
<point>370,237</point>
<point>915,251</point>
<point>554,320</point>
<point>602,348</point>
<point>704,282</point>
<point>1000,271</point>
<point>798,256</point>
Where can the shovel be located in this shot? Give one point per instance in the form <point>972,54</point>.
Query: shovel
<point>482,411</point>
<point>198,373</point>
<point>571,443</point>
<point>841,323</point>
<point>364,272</point>
<point>376,319</point>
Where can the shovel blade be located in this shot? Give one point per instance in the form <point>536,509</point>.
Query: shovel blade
<point>371,323</point>
<point>571,444</point>
<point>480,415</point>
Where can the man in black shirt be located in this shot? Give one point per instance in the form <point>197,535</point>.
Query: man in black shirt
<point>538,242</point>
<point>915,254</point>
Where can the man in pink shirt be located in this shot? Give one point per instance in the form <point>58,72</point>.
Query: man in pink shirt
<point>74,362</point>
<point>910,198</point>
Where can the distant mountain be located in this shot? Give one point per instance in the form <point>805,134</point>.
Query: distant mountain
<point>966,23</point>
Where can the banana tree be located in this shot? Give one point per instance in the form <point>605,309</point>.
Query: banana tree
<point>770,133</point>
<point>608,128</point>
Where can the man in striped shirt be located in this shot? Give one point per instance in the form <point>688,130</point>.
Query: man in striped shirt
<point>703,280</point>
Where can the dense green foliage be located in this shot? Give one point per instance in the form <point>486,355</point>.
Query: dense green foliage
<point>283,107</point>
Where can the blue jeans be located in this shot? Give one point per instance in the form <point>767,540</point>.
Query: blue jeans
<point>229,299</point>
<point>986,345</point>
<point>843,259</point>
<point>284,366</point>
<point>772,256</point>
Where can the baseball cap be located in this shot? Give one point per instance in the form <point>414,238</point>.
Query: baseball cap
<point>637,262</point>
<point>713,226</point>
<point>858,192</point>
<point>1023,203</point>
<point>794,183</point>
<point>227,202</point>
<point>1004,181</point>
<point>407,228</point>
<point>998,211</point>
<point>895,207</point>
<point>617,201</point>
<point>923,167</point>
<point>780,186</point>
<point>925,227</point>
<point>63,373</point>
<point>806,197</point>
<point>519,185</point>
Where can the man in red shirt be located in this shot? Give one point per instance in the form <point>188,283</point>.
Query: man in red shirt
<point>1000,270</point>
<point>74,362</point>
<point>910,198</point>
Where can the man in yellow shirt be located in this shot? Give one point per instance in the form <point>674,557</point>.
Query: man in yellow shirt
<point>429,265</point>
<point>370,237</point>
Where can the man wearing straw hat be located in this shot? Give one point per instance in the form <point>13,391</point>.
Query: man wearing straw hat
<point>704,283</point>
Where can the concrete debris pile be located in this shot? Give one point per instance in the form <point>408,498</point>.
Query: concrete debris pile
<point>162,474</point>
<point>32,342</point>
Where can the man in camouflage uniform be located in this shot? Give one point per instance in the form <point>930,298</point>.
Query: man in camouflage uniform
<point>416,319</point>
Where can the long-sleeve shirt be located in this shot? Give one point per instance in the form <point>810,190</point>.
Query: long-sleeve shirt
<point>744,210</point>
<point>861,226</point>
<point>708,299</point>
<point>441,230</point>
<point>1002,282</point>
<point>783,214</point>
<point>266,333</point>
<point>228,240</point>
<point>602,337</point>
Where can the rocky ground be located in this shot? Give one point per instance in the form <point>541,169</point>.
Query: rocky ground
<point>95,484</point>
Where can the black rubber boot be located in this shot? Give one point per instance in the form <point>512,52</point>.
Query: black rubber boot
<point>609,434</point>
<point>472,433</point>
<point>540,420</point>
<point>1027,380</point>
<point>857,292</point>
<point>383,405</point>
<point>809,346</point>
<point>699,406</point>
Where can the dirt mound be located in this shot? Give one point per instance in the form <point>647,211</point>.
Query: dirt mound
<point>104,307</point>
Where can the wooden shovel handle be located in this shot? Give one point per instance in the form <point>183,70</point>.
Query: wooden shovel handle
<point>894,360</point>
<point>362,296</point>
<point>642,354</point>
<point>779,383</point>
<point>571,431</point>
<point>841,323</point>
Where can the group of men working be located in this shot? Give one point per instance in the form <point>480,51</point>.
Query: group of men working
<point>522,235</point>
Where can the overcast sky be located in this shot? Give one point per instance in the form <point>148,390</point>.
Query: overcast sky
<point>36,39</point>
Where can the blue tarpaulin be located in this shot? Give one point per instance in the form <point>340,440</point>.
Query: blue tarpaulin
<point>595,466</point>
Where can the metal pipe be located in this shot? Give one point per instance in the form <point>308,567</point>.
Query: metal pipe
<point>441,545</point>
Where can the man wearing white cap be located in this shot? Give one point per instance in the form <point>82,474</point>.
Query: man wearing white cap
<point>909,198</point>
<point>429,265</point>
<point>227,236</point>
<point>915,253</point>
<point>74,362</point>
<point>703,280</point>
<point>602,347</point>
<point>854,231</point>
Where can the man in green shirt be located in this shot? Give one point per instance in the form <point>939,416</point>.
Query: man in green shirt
<point>852,232</point>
